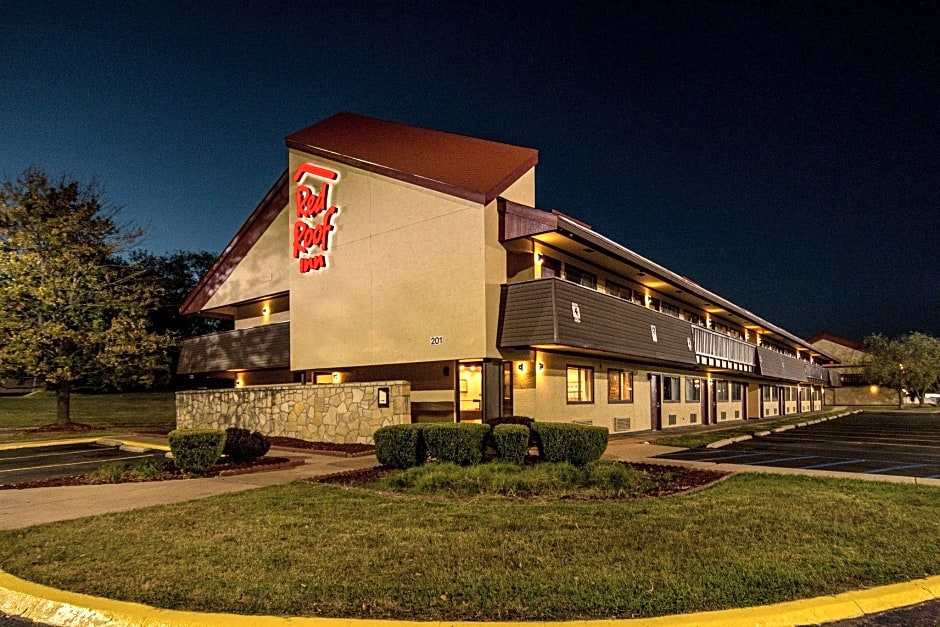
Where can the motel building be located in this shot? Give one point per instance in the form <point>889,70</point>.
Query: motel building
<point>398,274</point>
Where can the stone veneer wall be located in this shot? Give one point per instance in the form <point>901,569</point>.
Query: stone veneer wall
<point>344,413</point>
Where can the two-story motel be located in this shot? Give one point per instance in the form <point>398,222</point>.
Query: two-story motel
<point>388,253</point>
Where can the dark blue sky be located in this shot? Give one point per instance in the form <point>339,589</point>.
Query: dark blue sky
<point>785,156</point>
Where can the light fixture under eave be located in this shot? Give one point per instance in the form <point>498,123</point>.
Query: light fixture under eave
<point>541,366</point>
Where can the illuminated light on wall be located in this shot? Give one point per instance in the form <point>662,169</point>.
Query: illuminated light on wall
<point>337,377</point>
<point>873,389</point>
<point>541,366</point>
<point>239,382</point>
<point>648,299</point>
<point>538,258</point>
<point>521,367</point>
<point>266,310</point>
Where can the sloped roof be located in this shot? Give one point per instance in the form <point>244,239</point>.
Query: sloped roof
<point>474,169</point>
<point>253,228</point>
<point>466,167</point>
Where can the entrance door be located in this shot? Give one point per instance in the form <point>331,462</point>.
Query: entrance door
<point>713,393</point>
<point>705,402</point>
<point>656,404</point>
<point>507,389</point>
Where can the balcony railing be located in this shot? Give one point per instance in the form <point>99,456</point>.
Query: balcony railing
<point>719,350</point>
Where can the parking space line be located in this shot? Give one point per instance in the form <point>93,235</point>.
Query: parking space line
<point>56,454</point>
<point>84,463</point>
<point>777,460</point>
<point>838,463</point>
<point>881,470</point>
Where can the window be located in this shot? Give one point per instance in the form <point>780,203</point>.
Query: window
<point>655,303</point>
<point>579,276</point>
<point>721,391</point>
<point>769,392</point>
<point>580,384</point>
<point>550,267</point>
<point>619,386</point>
<point>671,389</point>
<point>694,318</point>
<point>693,389</point>
<point>670,309</point>
<point>737,391</point>
<point>615,289</point>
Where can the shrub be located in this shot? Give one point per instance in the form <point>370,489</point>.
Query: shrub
<point>241,445</point>
<point>196,450</point>
<point>460,443</point>
<point>510,420</point>
<point>563,442</point>
<point>400,446</point>
<point>511,442</point>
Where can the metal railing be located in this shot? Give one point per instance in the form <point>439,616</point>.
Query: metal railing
<point>719,346</point>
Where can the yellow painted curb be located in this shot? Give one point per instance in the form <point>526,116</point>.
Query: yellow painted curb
<point>56,607</point>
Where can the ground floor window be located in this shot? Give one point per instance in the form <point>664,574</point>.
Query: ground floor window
<point>769,392</point>
<point>619,386</point>
<point>693,389</point>
<point>580,384</point>
<point>737,391</point>
<point>671,389</point>
<point>721,391</point>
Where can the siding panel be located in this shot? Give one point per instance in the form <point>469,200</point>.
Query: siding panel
<point>261,347</point>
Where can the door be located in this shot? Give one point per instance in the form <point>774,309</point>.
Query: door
<point>656,403</point>
<point>704,390</point>
<point>713,393</point>
<point>507,389</point>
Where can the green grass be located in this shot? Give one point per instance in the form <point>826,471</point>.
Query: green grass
<point>696,439</point>
<point>106,412</point>
<point>322,550</point>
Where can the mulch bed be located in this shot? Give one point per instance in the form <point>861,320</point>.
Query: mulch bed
<point>347,450</point>
<point>669,479</point>
<point>168,472</point>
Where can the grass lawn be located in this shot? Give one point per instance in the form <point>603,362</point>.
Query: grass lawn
<point>107,412</point>
<point>313,549</point>
<point>750,427</point>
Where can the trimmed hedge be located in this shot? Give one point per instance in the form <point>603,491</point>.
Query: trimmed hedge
<point>196,450</point>
<point>511,442</point>
<point>461,443</point>
<point>400,446</point>
<point>241,445</point>
<point>565,442</point>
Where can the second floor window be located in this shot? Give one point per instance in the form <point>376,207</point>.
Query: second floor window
<point>579,276</point>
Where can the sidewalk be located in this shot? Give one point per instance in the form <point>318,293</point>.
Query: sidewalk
<point>24,508</point>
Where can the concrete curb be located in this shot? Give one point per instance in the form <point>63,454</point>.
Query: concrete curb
<point>761,434</point>
<point>69,609</point>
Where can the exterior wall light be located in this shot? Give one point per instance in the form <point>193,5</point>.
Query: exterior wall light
<point>265,310</point>
<point>538,258</point>
<point>541,366</point>
<point>873,389</point>
<point>521,367</point>
<point>336,377</point>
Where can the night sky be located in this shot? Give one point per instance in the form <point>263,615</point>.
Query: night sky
<point>782,155</point>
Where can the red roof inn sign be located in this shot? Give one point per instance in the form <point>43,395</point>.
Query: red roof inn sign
<point>315,212</point>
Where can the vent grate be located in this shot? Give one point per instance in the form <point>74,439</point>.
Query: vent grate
<point>621,424</point>
<point>583,422</point>
<point>693,418</point>
<point>672,419</point>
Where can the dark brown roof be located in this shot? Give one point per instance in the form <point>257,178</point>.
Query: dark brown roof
<point>837,339</point>
<point>473,169</point>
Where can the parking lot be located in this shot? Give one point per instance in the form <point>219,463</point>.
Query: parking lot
<point>20,465</point>
<point>886,443</point>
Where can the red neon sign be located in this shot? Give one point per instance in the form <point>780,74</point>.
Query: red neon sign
<point>311,232</point>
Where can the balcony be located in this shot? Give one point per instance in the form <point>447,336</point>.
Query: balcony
<point>721,351</point>
<point>555,314</point>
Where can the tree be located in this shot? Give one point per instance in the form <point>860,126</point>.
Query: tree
<point>72,310</point>
<point>909,363</point>
<point>177,274</point>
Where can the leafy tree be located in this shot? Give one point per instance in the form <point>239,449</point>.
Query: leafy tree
<point>72,311</point>
<point>177,274</point>
<point>908,363</point>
